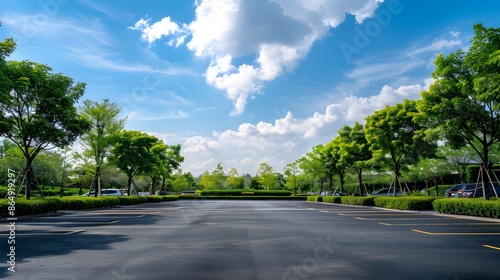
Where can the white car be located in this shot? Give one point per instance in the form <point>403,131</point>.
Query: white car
<point>106,192</point>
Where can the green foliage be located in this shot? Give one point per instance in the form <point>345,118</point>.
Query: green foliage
<point>463,103</point>
<point>79,203</point>
<point>466,206</point>
<point>132,154</point>
<point>30,207</point>
<point>170,197</point>
<point>243,197</point>
<point>245,193</point>
<point>128,200</point>
<point>358,200</point>
<point>396,139</point>
<point>154,198</point>
<point>314,198</point>
<point>332,199</point>
<point>404,203</point>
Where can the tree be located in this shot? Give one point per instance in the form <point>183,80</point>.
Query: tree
<point>463,103</point>
<point>206,180</point>
<point>235,180</point>
<point>219,177</point>
<point>132,154</point>
<point>40,111</point>
<point>354,150</point>
<point>313,164</point>
<point>396,139</point>
<point>7,47</point>
<point>171,162</point>
<point>458,159</point>
<point>266,176</point>
<point>98,140</point>
<point>292,170</point>
<point>431,170</point>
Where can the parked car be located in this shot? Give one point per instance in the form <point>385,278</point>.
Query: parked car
<point>189,192</point>
<point>466,190</point>
<point>451,192</point>
<point>332,193</point>
<point>386,192</point>
<point>479,192</point>
<point>106,192</point>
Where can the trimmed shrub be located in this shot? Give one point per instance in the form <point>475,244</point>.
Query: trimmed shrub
<point>467,206</point>
<point>332,199</point>
<point>154,198</point>
<point>273,193</point>
<point>170,197</point>
<point>246,192</point>
<point>404,203</point>
<point>80,203</point>
<point>24,207</point>
<point>221,192</point>
<point>358,200</point>
<point>315,198</point>
<point>129,200</point>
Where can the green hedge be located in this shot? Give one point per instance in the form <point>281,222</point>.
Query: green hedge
<point>246,193</point>
<point>170,197</point>
<point>244,197</point>
<point>405,203</point>
<point>154,198</point>
<point>358,200</point>
<point>315,198</point>
<point>467,206</point>
<point>128,200</point>
<point>24,207</point>
<point>79,203</point>
<point>332,199</point>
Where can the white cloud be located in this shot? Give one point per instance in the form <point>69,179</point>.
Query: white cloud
<point>288,138</point>
<point>277,34</point>
<point>153,32</point>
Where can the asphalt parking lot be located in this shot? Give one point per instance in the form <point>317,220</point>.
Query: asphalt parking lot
<point>251,240</point>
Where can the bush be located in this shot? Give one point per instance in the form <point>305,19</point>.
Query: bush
<point>170,197</point>
<point>79,203</point>
<point>246,192</point>
<point>332,199</point>
<point>404,203</point>
<point>154,198</point>
<point>129,200</point>
<point>24,207</point>
<point>467,206</point>
<point>315,198</point>
<point>358,200</point>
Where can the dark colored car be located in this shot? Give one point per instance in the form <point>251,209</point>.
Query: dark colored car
<point>467,189</point>
<point>386,192</point>
<point>475,193</point>
<point>451,192</point>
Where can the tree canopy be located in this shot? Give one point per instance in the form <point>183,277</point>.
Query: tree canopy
<point>40,111</point>
<point>463,104</point>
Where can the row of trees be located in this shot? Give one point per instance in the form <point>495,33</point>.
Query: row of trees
<point>39,113</point>
<point>460,109</point>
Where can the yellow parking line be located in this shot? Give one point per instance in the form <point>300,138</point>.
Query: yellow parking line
<point>491,247</point>
<point>359,218</point>
<point>455,233</point>
<point>443,224</point>
<point>421,231</point>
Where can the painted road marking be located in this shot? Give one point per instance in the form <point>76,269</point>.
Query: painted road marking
<point>444,224</point>
<point>455,233</point>
<point>491,247</point>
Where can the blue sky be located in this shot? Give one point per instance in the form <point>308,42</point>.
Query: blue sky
<point>249,81</point>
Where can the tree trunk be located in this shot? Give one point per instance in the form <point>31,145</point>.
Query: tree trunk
<point>27,191</point>
<point>129,185</point>
<point>360,181</point>
<point>396,179</point>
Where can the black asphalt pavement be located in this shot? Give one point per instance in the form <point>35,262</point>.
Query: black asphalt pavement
<point>244,240</point>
